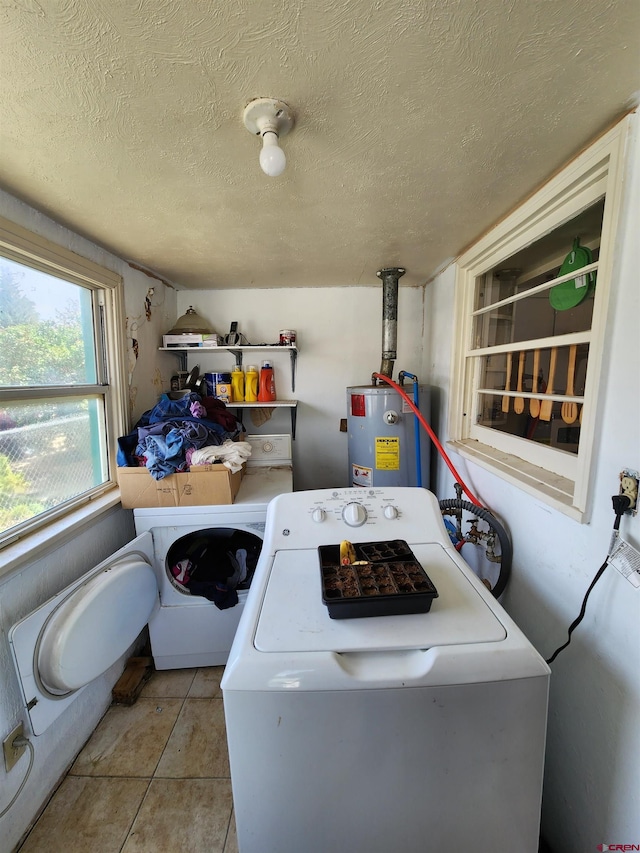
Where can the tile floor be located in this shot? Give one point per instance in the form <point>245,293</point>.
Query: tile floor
<point>153,777</point>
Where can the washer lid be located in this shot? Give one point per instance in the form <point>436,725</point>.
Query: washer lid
<point>95,625</point>
<point>293,617</point>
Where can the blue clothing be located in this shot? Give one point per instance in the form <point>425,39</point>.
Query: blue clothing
<point>163,435</point>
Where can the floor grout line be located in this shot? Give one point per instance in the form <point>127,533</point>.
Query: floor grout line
<point>226,835</point>
<point>190,778</point>
<point>135,817</point>
<point>184,699</point>
<point>146,793</point>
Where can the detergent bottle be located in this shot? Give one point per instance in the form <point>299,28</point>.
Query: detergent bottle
<point>267,391</point>
<point>251,384</point>
<point>237,384</point>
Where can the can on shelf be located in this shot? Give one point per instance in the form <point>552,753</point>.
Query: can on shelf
<point>213,380</point>
<point>287,337</point>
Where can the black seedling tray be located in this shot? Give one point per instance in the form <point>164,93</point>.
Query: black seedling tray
<point>380,587</point>
<point>379,552</point>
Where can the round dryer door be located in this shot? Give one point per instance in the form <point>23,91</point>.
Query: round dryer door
<point>95,625</point>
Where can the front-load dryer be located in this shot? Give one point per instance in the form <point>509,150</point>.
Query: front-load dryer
<point>190,630</point>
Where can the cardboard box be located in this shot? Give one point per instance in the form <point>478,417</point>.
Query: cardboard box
<point>224,392</point>
<point>203,485</point>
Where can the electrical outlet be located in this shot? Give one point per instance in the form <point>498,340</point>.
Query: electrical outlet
<point>629,487</point>
<point>12,753</point>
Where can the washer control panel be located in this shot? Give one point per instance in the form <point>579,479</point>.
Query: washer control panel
<point>307,519</point>
<point>353,507</point>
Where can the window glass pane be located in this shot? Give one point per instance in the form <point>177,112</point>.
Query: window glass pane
<point>554,423</point>
<point>565,381</point>
<point>50,452</point>
<point>563,308</point>
<point>46,329</point>
<point>553,431</point>
<point>536,317</point>
<point>546,254</point>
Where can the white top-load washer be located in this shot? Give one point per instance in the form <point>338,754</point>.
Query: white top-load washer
<point>189,630</point>
<point>413,732</point>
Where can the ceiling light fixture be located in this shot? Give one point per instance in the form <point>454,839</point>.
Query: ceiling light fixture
<point>270,119</point>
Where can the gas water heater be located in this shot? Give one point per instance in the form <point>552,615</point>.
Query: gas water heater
<point>382,436</point>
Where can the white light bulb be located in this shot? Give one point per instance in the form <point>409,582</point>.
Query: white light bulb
<point>272,157</point>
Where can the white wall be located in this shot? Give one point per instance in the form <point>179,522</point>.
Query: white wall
<point>592,775</point>
<point>35,582</point>
<point>339,336</point>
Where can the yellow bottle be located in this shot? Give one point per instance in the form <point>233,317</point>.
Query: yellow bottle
<point>251,384</point>
<point>237,384</point>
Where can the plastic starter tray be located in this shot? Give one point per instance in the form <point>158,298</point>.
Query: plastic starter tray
<point>389,582</point>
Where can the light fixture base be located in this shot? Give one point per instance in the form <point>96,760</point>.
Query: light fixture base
<point>263,113</point>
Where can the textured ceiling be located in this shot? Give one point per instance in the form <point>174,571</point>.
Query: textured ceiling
<point>418,125</point>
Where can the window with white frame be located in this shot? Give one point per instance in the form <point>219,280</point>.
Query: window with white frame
<point>531,307</point>
<point>62,389</point>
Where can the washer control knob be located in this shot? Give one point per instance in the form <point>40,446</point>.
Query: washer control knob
<point>390,511</point>
<point>354,514</point>
<point>318,515</point>
<point>267,447</point>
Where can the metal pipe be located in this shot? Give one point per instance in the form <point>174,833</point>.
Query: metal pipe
<point>389,276</point>
<point>416,422</point>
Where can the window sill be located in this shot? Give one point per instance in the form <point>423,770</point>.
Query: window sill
<point>551,489</point>
<point>36,544</point>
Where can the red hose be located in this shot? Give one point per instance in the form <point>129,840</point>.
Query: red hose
<point>432,435</point>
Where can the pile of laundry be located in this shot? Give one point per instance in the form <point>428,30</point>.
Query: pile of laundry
<point>215,569</point>
<point>176,434</point>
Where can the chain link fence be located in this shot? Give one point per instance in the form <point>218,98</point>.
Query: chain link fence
<point>45,464</point>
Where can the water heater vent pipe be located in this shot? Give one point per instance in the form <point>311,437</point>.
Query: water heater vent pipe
<point>389,276</point>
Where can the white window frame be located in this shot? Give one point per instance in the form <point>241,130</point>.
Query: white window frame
<point>31,250</point>
<point>555,476</point>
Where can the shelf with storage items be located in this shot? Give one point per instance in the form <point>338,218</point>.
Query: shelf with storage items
<point>238,352</point>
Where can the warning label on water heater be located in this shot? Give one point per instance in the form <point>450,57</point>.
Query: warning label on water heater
<point>387,453</point>
<point>361,476</point>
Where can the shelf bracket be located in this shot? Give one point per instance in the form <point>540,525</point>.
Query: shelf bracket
<point>237,354</point>
<point>294,357</point>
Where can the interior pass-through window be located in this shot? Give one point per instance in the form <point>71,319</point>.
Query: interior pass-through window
<point>531,305</point>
